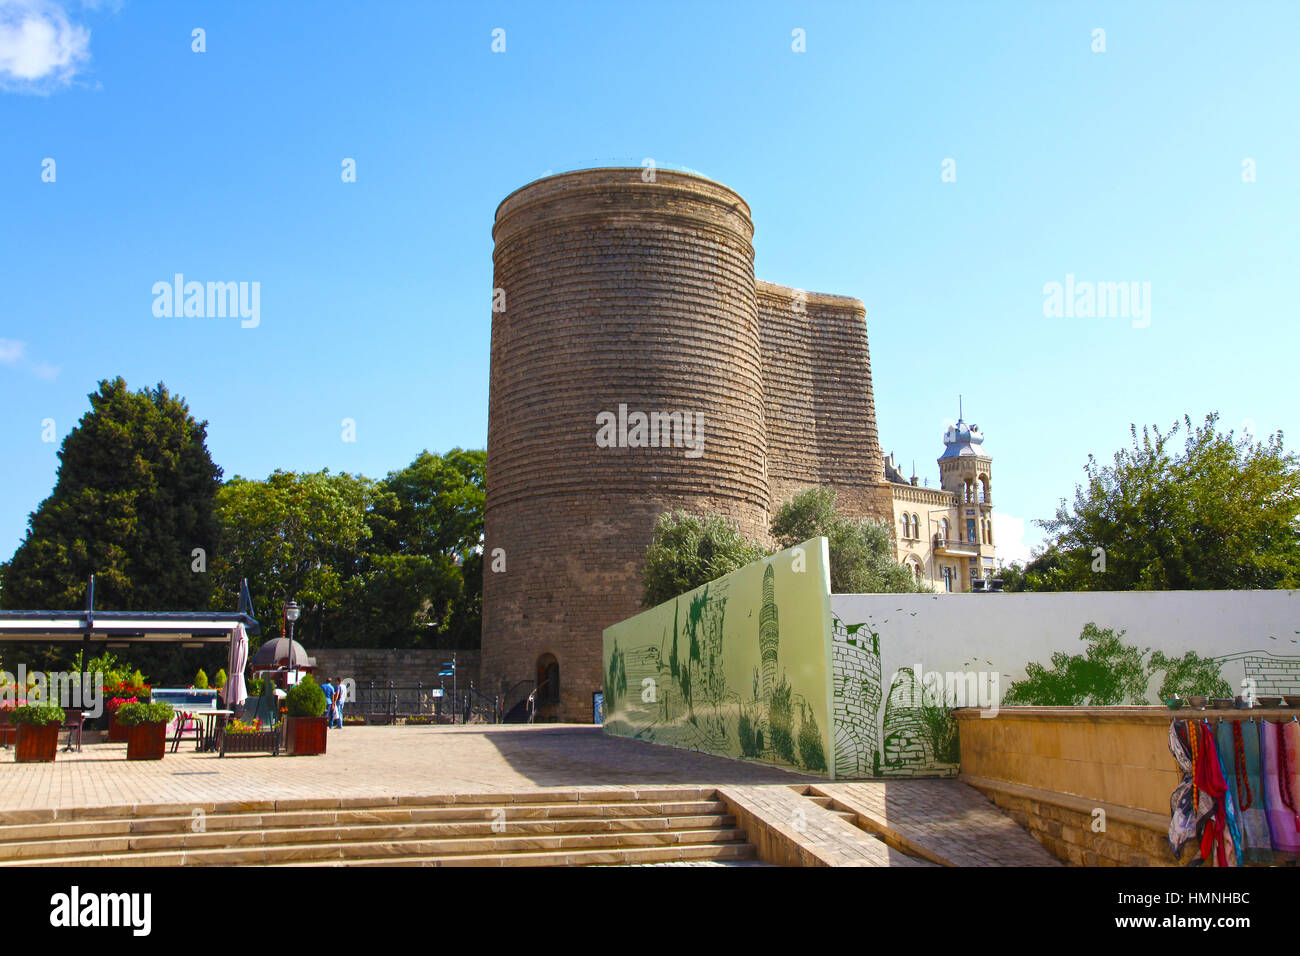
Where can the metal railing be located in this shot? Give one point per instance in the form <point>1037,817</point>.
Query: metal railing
<point>378,701</point>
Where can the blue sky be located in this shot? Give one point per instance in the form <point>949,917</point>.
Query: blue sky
<point>1117,166</point>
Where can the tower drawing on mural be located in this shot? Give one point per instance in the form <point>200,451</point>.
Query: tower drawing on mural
<point>769,636</point>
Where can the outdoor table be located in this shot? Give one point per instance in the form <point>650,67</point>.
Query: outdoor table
<point>210,725</point>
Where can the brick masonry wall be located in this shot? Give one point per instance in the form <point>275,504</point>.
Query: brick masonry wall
<point>606,280</point>
<point>399,666</point>
<point>619,291</point>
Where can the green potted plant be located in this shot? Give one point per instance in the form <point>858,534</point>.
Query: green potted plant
<point>146,729</point>
<point>38,732</point>
<point>305,725</point>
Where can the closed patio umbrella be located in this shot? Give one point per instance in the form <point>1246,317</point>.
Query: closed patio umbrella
<point>236,691</point>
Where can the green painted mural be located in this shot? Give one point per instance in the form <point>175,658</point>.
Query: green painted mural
<point>739,667</point>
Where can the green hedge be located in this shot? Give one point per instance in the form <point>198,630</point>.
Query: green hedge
<point>39,715</point>
<point>130,715</point>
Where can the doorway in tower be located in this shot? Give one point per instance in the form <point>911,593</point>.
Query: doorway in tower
<point>548,686</point>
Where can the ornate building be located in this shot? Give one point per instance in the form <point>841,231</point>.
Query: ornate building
<point>945,534</point>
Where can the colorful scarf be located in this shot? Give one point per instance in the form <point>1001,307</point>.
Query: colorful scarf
<point>1232,836</point>
<point>1238,742</point>
<point>1215,836</point>
<point>1279,790</point>
<point>1186,809</point>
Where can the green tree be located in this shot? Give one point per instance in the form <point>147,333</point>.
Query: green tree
<point>293,536</point>
<point>861,550</point>
<point>201,680</point>
<point>418,579</point>
<point>689,550</point>
<point>1108,672</point>
<point>1222,512</point>
<point>134,497</point>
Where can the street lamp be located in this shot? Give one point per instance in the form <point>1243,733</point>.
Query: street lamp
<point>291,614</point>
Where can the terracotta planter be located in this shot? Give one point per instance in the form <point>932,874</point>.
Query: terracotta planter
<point>306,736</point>
<point>37,744</point>
<point>146,741</point>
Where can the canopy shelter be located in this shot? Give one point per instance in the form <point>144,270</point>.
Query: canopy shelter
<point>122,628</point>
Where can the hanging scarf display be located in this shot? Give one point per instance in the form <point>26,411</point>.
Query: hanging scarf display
<point>1238,742</point>
<point>1215,838</point>
<point>1186,809</point>
<point>1279,789</point>
<point>1227,771</point>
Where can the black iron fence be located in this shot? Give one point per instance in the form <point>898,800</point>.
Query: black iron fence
<point>384,702</point>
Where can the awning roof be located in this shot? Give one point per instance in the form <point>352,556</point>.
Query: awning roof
<point>127,627</point>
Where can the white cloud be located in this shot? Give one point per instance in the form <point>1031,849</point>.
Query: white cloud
<point>1009,538</point>
<point>11,350</point>
<point>40,47</point>
<point>46,371</point>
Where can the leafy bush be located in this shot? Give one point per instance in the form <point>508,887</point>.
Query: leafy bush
<point>1189,675</point>
<point>1109,672</point>
<point>861,550</point>
<point>200,680</point>
<point>132,715</point>
<point>811,752</point>
<point>38,715</point>
<point>220,682</point>
<point>689,550</point>
<point>781,722</point>
<point>305,699</point>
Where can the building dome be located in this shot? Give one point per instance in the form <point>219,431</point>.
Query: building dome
<point>962,440</point>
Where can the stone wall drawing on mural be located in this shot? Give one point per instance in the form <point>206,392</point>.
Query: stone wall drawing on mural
<point>913,735</point>
<point>723,676</point>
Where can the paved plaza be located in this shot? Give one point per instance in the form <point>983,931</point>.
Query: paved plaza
<point>374,761</point>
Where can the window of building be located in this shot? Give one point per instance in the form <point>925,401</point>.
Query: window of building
<point>907,530</point>
<point>916,527</point>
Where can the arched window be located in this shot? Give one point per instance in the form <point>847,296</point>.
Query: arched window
<point>985,497</point>
<point>946,529</point>
<point>916,527</point>
<point>906,528</point>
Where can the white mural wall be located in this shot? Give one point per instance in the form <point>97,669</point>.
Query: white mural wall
<point>889,649</point>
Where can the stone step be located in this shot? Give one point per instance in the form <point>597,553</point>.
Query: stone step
<point>621,857</point>
<point>94,844</point>
<point>486,846</point>
<point>624,795</point>
<point>513,812</point>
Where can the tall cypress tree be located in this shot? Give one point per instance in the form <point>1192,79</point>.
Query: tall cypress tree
<point>134,497</point>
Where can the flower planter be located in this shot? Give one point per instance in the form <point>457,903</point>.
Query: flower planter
<point>37,744</point>
<point>306,736</point>
<point>266,741</point>
<point>116,731</point>
<point>146,741</point>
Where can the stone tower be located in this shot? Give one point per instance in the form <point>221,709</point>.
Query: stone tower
<point>637,367</point>
<point>966,472</point>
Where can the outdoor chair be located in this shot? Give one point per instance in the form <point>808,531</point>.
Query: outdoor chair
<point>187,724</point>
<point>73,722</point>
<point>7,730</point>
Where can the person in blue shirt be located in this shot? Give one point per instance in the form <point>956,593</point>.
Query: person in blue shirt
<point>328,688</point>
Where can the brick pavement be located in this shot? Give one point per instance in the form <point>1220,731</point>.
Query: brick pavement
<point>942,820</point>
<point>948,821</point>
<point>373,761</point>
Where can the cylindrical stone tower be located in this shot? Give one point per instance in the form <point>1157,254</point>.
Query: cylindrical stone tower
<point>626,381</point>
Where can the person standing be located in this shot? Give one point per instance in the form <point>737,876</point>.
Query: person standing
<point>340,696</point>
<point>328,688</point>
